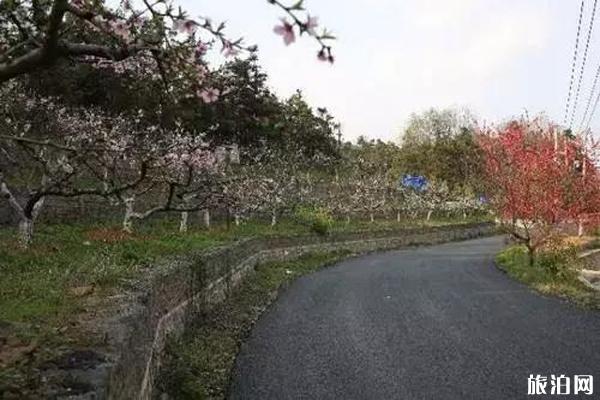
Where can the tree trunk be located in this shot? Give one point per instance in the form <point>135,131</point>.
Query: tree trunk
<point>26,224</point>
<point>429,214</point>
<point>273,219</point>
<point>206,217</point>
<point>25,231</point>
<point>531,257</point>
<point>129,213</point>
<point>372,217</point>
<point>348,219</point>
<point>105,186</point>
<point>27,215</point>
<point>531,254</point>
<point>128,223</point>
<point>397,216</point>
<point>237,219</point>
<point>183,223</point>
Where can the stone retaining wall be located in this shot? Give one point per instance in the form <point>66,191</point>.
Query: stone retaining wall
<point>136,331</point>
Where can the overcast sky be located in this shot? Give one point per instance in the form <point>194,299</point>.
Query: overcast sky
<point>394,57</point>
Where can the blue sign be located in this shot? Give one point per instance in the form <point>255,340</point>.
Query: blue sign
<point>418,183</point>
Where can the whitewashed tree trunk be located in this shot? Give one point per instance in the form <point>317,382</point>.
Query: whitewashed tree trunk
<point>273,219</point>
<point>128,223</point>
<point>26,219</point>
<point>27,224</point>
<point>183,222</point>
<point>206,218</point>
<point>429,214</point>
<point>397,216</point>
<point>25,231</point>
<point>237,219</point>
<point>129,215</point>
<point>348,219</point>
<point>105,186</point>
<point>372,217</point>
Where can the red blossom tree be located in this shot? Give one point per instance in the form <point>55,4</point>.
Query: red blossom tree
<point>538,179</point>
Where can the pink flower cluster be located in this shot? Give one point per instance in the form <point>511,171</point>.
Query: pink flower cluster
<point>209,95</point>
<point>187,26</point>
<point>287,31</point>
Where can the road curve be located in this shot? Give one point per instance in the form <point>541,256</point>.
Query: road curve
<point>438,322</point>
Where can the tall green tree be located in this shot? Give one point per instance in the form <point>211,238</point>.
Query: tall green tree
<point>247,112</point>
<point>440,145</point>
<point>311,132</point>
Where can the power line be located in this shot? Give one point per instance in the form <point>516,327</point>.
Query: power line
<point>585,53</point>
<point>589,121</point>
<point>574,63</point>
<point>590,97</point>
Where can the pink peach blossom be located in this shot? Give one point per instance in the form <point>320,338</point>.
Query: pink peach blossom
<point>201,72</point>
<point>121,29</point>
<point>229,50</point>
<point>209,95</point>
<point>201,49</point>
<point>187,26</point>
<point>310,25</point>
<point>286,30</point>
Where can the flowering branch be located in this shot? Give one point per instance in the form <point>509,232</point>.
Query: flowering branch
<point>309,25</point>
<point>36,35</point>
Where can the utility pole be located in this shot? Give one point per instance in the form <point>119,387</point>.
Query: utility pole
<point>580,228</point>
<point>339,136</point>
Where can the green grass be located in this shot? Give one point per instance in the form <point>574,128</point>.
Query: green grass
<point>553,273</point>
<point>39,303</point>
<point>199,365</point>
<point>37,283</point>
<point>69,270</point>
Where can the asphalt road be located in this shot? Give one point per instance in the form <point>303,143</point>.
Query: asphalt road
<point>437,322</point>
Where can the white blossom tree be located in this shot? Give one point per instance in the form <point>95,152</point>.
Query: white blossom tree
<point>49,149</point>
<point>178,165</point>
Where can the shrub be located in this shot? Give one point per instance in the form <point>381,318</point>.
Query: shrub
<point>558,262</point>
<point>317,218</point>
<point>554,273</point>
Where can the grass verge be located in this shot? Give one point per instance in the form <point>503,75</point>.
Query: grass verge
<point>553,273</point>
<point>43,284</point>
<point>199,364</point>
<point>49,290</point>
